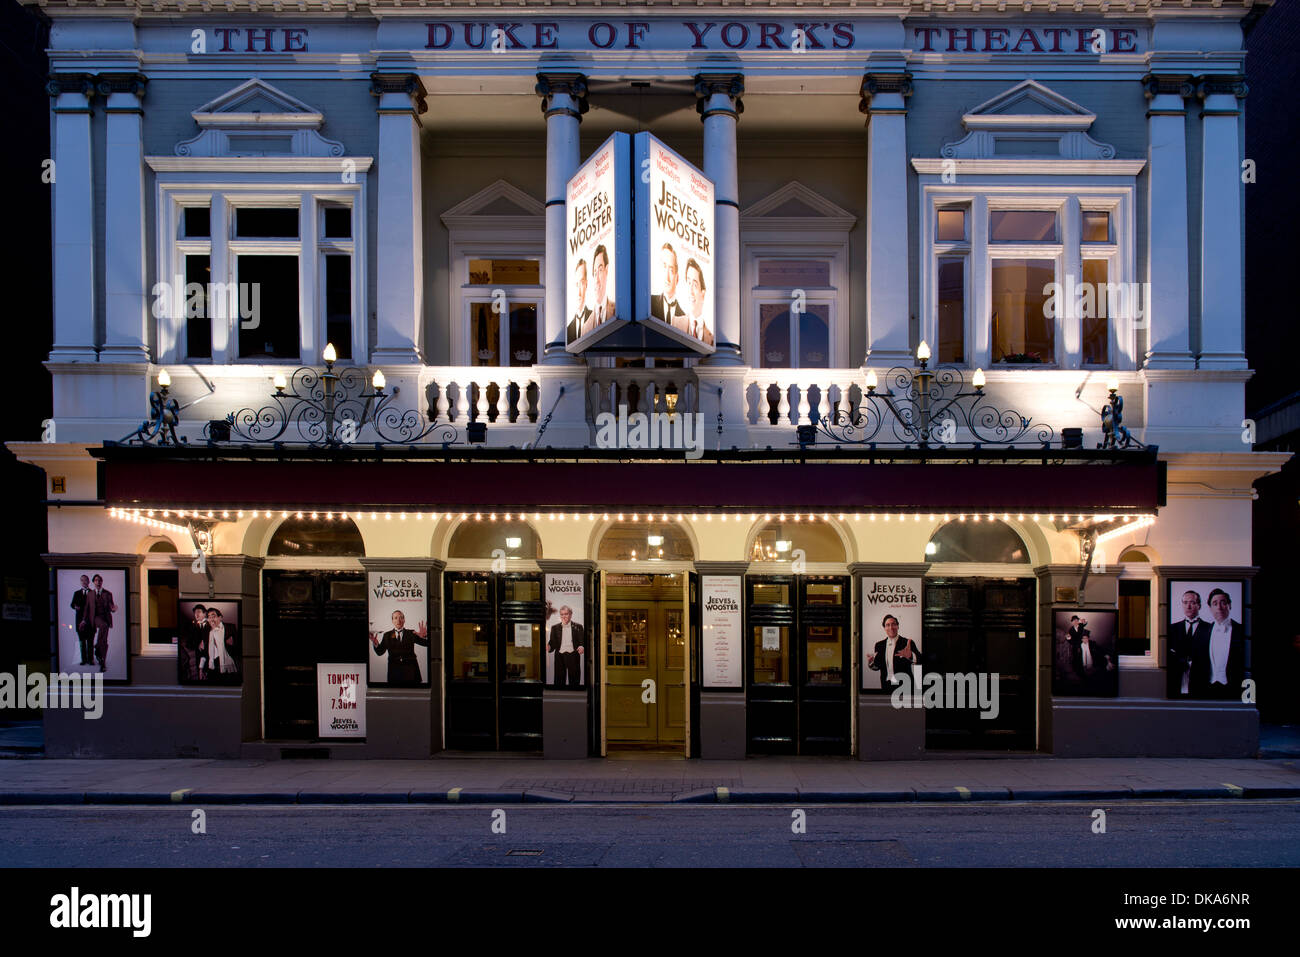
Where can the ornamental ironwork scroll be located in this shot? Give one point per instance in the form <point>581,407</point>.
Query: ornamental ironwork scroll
<point>927,408</point>
<point>329,409</point>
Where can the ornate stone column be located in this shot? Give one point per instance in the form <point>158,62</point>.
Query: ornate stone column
<point>564,100</point>
<point>1167,305</point>
<point>74,220</point>
<point>718,101</point>
<point>400,275</point>
<point>889,287</point>
<point>1223,331</point>
<point>126,299</point>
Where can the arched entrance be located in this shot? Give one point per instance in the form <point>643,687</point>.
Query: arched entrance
<point>313,611</point>
<point>646,638</point>
<point>979,619</point>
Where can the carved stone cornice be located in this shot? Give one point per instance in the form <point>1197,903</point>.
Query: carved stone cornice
<point>407,84</point>
<point>1232,84</point>
<point>874,84</point>
<point>707,85</point>
<point>1168,84</point>
<point>551,85</point>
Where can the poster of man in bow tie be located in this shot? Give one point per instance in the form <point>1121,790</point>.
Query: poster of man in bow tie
<point>398,651</point>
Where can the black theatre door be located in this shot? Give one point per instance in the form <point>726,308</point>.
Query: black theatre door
<point>982,626</point>
<point>493,655</point>
<point>797,658</point>
<point>308,618</point>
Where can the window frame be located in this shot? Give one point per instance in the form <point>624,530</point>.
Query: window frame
<point>754,297</point>
<point>1068,194</point>
<point>310,195</point>
<point>464,295</point>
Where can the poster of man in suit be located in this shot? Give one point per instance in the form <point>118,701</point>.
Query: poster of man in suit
<point>1084,660</point>
<point>209,649</point>
<point>1206,651</point>
<point>93,622</point>
<point>590,210</point>
<point>891,632</point>
<point>398,649</point>
<point>567,647</point>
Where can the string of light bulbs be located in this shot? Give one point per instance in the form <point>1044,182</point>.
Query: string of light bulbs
<point>172,518</point>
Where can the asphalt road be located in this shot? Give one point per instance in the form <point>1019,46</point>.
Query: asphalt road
<point>1230,833</point>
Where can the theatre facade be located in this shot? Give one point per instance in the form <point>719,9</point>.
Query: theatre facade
<point>708,379</point>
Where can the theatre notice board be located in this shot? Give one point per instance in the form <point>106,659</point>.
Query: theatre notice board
<point>720,637</point>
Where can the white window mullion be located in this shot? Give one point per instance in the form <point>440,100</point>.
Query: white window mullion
<point>225,341</point>
<point>1069,346</point>
<point>980,328</point>
<point>311,280</point>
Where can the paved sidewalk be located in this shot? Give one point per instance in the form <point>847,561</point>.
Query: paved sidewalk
<point>503,780</point>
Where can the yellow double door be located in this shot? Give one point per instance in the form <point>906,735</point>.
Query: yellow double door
<point>645,675</point>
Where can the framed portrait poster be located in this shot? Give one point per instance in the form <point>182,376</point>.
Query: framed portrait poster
<point>209,650</point>
<point>1085,662</point>
<point>1206,652</point>
<point>93,622</point>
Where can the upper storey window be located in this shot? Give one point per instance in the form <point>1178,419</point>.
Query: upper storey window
<point>260,240</point>
<point>1028,240</point>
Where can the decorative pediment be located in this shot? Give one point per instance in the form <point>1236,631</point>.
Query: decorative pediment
<point>1028,121</point>
<point>256,119</point>
<point>506,205</point>
<point>795,206</point>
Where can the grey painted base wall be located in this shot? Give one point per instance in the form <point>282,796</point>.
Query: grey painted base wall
<point>886,733</point>
<point>564,724</point>
<point>143,721</point>
<point>722,726</point>
<point>1125,727</point>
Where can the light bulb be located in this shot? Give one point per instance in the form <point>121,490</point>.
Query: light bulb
<point>872,381</point>
<point>280,382</point>
<point>378,380</point>
<point>923,352</point>
<point>330,355</point>
<point>977,380</point>
<point>164,378</point>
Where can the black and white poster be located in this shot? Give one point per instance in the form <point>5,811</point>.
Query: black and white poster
<point>1206,651</point>
<point>209,649</point>
<point>398,649</point>
<point>1084,658</point>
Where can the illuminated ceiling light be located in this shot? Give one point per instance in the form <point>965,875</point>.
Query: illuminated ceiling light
<point>1020,518</point>
<point>620,516</point>
<point>679,516</point>
<point>663,517</point>
<point>796,517</point>
<point>314,516</point>
<point>1051,518</point>
<point>976,516</point>
<point>562,516</point>
<point>708,517</point>
<point>298,515</point>
<point>388,516</point>
<point>886,516</point>
<point>343,516</point>
<point>1006,517</point>
<point>537,516</point>
<point>492,517</point>
<point>961,518</point>
<point>513,542</point>
<point>636,517</point>
<point>1080,517</point>
<point>992,517</point>
<point>402,516</point>
<point>1035,516</point>
<point>917,516</point>
<point>873,516</point>
<point>225,515</point>
<point>781,517</point>
<point>419,516</point>
<point>767,517</point>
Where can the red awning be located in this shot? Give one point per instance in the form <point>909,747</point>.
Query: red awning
<point>819,486</point>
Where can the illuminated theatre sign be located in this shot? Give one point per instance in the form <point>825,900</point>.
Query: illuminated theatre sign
<point>578,34</point>
<point>640,248</point>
